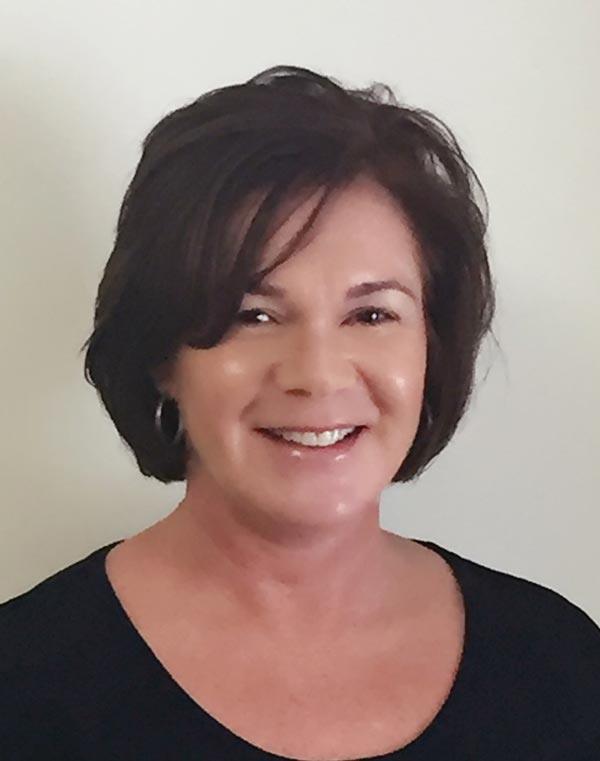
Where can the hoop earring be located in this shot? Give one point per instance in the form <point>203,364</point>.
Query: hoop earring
<point>158,423</point>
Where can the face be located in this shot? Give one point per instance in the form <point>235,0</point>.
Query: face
<point>312,357</point>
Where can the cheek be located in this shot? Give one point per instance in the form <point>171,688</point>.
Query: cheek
<point>215,386</point>
<point>403,372</point>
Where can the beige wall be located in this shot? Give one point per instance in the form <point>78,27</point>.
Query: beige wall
<point>81,84</point>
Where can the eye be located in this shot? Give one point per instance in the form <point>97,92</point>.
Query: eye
<point>246,316</point>
<point>369,311</point>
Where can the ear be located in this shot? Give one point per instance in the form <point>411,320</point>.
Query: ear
<point>163,379</point>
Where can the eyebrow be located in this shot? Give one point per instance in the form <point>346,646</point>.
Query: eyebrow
<point>361,289</point>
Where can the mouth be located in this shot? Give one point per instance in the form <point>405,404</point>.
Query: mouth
<point>340,446</point>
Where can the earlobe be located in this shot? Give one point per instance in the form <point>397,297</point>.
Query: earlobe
<point>166,391</point>
<point>163,381</point>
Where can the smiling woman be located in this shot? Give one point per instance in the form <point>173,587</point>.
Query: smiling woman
<point>289,322</point>
<point>312,366</point>
<point>235,164</point>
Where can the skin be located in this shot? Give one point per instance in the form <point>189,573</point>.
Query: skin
<point>294,551</point>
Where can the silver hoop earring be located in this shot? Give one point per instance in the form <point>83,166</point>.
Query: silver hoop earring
<point>159,427</point>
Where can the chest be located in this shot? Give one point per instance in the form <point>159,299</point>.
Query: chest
<point>360,697</point>
<point>350,705</point>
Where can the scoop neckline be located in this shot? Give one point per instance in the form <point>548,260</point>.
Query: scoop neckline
<point>448,712</point>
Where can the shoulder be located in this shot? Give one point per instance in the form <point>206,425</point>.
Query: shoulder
<point>536,655</point>
<point>518,601</point>
<point>59,603</point>
<point>520,606</point>
<point>48,636</point>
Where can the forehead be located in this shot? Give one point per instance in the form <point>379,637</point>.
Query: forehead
<point>361,232</point>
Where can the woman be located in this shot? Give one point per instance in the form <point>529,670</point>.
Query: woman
<point>289,321</point>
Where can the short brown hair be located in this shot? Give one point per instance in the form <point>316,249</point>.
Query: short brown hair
<point>176,277</point>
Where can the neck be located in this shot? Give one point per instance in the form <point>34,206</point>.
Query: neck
<point>287,581</point>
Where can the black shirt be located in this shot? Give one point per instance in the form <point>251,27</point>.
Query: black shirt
<point>78,682</point>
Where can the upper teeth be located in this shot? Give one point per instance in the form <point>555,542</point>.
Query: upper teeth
<point>310,438</point>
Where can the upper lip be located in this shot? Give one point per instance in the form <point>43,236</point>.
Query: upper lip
<point>315,428</point>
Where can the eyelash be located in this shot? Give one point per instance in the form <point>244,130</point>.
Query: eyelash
<point>389,316</point>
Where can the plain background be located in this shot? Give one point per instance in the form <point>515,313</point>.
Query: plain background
<point>517,81</point>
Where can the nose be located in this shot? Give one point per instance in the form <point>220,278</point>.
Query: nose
<point>316,363</point>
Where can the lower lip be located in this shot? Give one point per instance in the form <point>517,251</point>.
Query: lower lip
<point>294,452</point>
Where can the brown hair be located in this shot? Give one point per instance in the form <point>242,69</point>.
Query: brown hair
<point>176,276</point>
